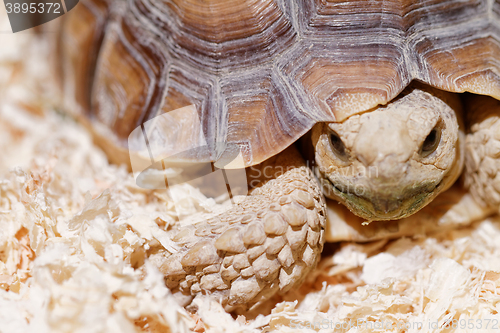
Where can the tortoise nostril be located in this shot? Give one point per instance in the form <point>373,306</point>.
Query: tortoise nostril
<point>366,159</point>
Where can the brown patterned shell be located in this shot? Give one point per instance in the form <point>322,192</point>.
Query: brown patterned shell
<point>262,72</point>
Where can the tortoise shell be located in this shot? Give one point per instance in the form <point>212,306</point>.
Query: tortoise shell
<point>261,73</point>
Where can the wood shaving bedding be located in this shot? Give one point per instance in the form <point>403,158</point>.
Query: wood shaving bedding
<point>75,230</point>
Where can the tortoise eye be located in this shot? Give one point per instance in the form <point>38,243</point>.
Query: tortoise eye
<point>431,142</point>
<point>338,147</point>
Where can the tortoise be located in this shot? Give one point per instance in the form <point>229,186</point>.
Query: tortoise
<point>406,89</point>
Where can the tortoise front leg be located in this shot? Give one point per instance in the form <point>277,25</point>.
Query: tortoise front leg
<point>482,150</point>
<point>264,245</point>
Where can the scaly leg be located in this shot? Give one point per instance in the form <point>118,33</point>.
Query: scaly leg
<point>482,150</point>
<point>265,245</point>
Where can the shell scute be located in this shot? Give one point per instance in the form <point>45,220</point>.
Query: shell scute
<point>261,72</point>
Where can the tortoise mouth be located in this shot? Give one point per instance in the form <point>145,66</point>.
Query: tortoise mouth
<point>379,205</point>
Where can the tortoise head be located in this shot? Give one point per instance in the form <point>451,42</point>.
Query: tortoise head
<point>389,162</point>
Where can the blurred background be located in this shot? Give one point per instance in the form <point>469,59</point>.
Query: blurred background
<point>26,90</point>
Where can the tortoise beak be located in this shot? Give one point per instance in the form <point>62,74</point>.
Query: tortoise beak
<point>387,207</point>
<point>386,203</point>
